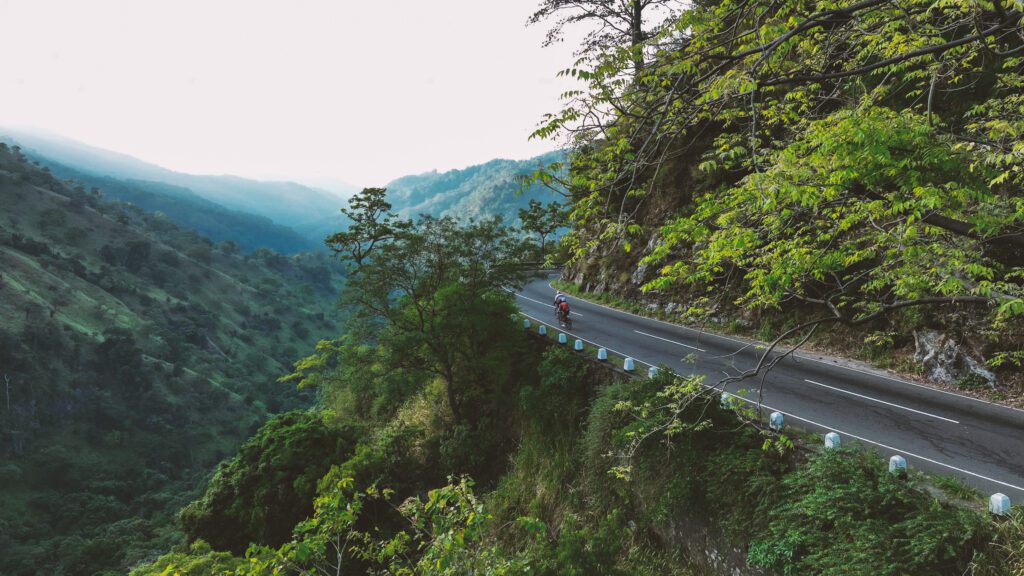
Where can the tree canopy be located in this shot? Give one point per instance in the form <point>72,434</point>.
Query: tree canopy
<point>857,158</point>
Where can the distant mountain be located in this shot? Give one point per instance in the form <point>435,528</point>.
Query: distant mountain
<point>190,210</point>
<point>489,189</point>
<point>327,184</point>
<point>286,203</point>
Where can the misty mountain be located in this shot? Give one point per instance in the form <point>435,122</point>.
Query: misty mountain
<point>489,189</point>
<point>286,203</point>
<point>192,211</point>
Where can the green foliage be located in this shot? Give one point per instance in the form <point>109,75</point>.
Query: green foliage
<point>845,514</point>
<point>543,220</point>
<point>261,493</point>
<point>433,299</point>
<point>847,160</point>
<point>560,396</point>
<point>198,560</point>
<point>790,230</point>
<point>1004,556</point>
<point>372,223</point>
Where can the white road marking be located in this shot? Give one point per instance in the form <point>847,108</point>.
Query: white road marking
<point>813,423</point>
<point>879,444</point>
<point>909,383</point>
<point>518,295</point>
<point>900,406</point>
<point>670,341</point>
<point>802,357</point>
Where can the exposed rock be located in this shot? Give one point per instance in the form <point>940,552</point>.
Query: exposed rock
<point>639,276</point>
<point>947,362</point>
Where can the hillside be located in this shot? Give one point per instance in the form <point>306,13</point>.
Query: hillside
<point>187,209</point>
<point>302,206</point>
<point>135,354</point>
<point>489,189</point>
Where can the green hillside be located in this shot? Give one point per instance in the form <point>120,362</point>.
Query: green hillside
<point>134,355</point>
<point>489,189</point>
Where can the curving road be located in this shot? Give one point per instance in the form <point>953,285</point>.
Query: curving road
<point>977,441</point>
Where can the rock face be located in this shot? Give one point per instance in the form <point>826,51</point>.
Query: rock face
<point>947,362</point>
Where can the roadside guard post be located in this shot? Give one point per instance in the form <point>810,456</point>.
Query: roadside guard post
<point>727,401</point>
<point>832,440</point>
<point>999,504</point>
<point>897,464</point>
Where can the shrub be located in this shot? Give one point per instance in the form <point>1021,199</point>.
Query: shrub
<point>268,487</point>
<point>845,514</point>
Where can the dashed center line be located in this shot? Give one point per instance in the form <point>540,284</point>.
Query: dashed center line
<point>842,432</point>
<point>518,295</point>
<point>670,341</point>
<point>901,407</point>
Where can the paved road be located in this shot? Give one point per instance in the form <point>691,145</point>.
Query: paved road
<point>977,441</point>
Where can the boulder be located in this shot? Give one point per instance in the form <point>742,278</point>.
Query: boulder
<point>945,361</point>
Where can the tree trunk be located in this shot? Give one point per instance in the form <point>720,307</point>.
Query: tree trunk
<point>637,36</point>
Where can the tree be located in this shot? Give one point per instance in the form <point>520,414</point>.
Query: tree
<point>261,493</point>
<point>856,159</point>
<point>542,220</point>
<point>119,359</point>
<point>619,23</point>
<point>434,298</point>
<point>439,290</point>
<point>229,247</point>
<point>372,223</point>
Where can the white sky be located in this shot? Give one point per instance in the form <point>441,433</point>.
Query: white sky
<point>364,91</point>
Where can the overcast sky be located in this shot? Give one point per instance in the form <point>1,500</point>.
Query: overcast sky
<point>361,91</point>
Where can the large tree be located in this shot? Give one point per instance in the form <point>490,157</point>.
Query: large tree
<point>859,158</point>
<point>371,223</point>
<point>543,220</point>
<point>434,297</point>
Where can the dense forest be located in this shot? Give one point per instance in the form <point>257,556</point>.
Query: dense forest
<point>134,355</point>
<point>448,440</point>
<point>813,169</point>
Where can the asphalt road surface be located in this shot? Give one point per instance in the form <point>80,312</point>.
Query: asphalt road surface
<point>943,432</point>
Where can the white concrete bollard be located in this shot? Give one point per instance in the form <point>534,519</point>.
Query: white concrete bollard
<point>562,338</point>
<point>542,330</point>
<point>727,401</point>
<point>832,440</point>
<point>627,365</point>
<point>775,421</point>
<point>602,354</point>
<point>578,345</point>
<point>999,504</point>
<point>526,323</point>
<point>897,464</point>
<point>652,371</point>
